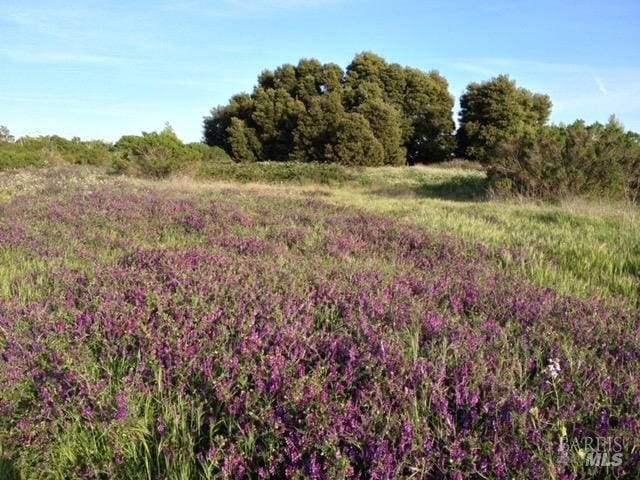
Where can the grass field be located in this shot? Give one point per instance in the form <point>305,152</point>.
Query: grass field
<point>396,323</point>
<point>580,247</point>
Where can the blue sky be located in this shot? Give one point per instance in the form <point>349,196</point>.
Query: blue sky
<point>100,69</point>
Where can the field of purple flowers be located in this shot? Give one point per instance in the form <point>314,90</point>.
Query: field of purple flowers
<point>156,333</point>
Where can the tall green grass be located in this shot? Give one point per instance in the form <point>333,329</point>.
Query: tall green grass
<point>296,173</point>
<point>582,247</point>
<point>579,247</point>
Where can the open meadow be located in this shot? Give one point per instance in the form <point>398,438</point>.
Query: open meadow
<point>395,323</point>
<point>319,240</point>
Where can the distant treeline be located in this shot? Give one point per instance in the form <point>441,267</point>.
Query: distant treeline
<point>154,154</point>
<point>160,154</point>
<point>379,113</point>
<point>373,113</point>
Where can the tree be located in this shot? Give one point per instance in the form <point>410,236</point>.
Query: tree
<point>275,116</point>
<point>5,135</point>
<point>309,78</point>
<point>355,143</point>
<point>385,124</point>
<point>299,112</point>
<point>366,67</point>
<point>428,107</point>
<point>422,98</point>
<point>317,129</point>
<point>331,78</point>
<point>216,126</point>
<point>243,141</point>
<point>328,133</point>
<point>494,110</point>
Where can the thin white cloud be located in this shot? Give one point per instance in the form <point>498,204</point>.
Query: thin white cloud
<point>280,3</point>
<point>104,26</point>
<point>63,58</point>
<point>235,49</point>
<point>601,86</point>
<point>230,8</point>
<point>208,84</point>
<point>56,99</point>
<point>472,67</point>
<point>59,23</point>
<point>495,66</point>
<point>51,100</point>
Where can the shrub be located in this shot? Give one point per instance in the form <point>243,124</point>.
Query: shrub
<point>18,159</point>
<point>161,154</point>
<point>279,172</point>
<point>75,151</point>
<point>151,154</point>
<point>52,150</point>
<point>208,155</point>
<point>580,159</point>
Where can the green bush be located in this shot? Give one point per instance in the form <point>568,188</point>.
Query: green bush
<point>159,154</point>
<point>209,155</point>
<point>12,156</point>
<point>579,159</point>
<point>151,154</point>
<point>53,150</point>
<point>279,172</point>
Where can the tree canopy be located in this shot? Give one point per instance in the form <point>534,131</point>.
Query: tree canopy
<point>5,135</point>
<point>494,110</point>
<point>374,113</point>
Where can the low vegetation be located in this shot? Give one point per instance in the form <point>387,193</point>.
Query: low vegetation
<point>161,154</point>
<point>154,155</point>
<point>207,331</point>
<point>577,160</point>
<point>296,173</point>
<point>581,247</point>
<point>290,301</point>
<point>51,150</point>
